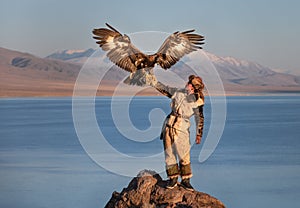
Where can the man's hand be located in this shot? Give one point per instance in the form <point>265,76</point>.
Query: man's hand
<point>198,139</point>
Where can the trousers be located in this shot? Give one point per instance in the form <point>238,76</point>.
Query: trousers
<point>177,148</point>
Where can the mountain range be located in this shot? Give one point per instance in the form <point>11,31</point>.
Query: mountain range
<point>23,74</point>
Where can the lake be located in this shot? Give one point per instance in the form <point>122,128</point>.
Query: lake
<point>44,164</point>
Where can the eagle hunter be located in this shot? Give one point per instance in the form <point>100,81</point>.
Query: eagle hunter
<point>124,54</point>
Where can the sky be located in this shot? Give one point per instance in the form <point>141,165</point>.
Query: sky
<point>262,31</point>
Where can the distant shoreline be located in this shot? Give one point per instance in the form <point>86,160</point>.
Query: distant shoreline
<point>250,94</point>
<point>48,88</point>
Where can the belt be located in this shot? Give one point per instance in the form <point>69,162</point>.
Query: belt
<point>179,115</point>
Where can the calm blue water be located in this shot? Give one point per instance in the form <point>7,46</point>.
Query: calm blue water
<point>42,164</point>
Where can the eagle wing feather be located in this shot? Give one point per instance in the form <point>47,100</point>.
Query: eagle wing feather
<point>119,48</point>
<point>176,46</point>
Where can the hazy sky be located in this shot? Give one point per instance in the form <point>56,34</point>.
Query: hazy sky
<point>263,31</point>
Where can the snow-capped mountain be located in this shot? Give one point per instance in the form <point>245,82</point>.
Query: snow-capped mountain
<point>250,73</point>
<point>231,70</point>
<point>22,74</point>
<point>234,68</point>
<point>75,56</point>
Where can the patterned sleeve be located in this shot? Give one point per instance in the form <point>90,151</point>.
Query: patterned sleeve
<point>199,119</point>
<point>165,90</point>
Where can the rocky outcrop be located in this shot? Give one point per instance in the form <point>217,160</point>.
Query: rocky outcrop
<point>147,190</point>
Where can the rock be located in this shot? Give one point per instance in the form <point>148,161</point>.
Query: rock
<point>147,190</point>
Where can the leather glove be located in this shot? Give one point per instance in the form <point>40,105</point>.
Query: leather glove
<point>150,79</point>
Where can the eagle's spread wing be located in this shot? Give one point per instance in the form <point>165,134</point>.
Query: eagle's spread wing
<point>119,48</point>
<point>176,46</point>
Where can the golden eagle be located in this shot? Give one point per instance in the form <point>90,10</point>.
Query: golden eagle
<point>124,54</point>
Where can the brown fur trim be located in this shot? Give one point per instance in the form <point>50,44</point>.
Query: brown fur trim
<point>186,176</point>
<point>186,170</point>
<point>172,171</point>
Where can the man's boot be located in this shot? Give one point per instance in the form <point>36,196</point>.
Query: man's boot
<point>185,183</point>
<point>172,183</point>
<point>173,173</point>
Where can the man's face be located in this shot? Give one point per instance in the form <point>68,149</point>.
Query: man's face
<point>189,87</point>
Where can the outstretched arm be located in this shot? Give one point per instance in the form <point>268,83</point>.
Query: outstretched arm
<point>164,89</point>
<point>160,87</point>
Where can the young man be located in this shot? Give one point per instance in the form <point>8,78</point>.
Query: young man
<point>185,103</point>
